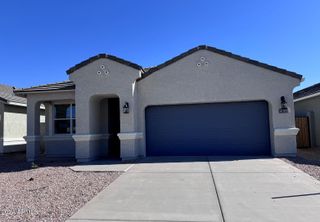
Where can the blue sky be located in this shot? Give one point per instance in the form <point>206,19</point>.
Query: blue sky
<point>40,40</point>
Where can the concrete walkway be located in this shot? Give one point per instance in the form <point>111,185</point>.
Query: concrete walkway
<point>195,189</point>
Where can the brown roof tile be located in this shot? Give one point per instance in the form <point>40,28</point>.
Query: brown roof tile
<point>66,85</point>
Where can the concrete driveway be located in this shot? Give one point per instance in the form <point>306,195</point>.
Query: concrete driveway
<point>207,189</point>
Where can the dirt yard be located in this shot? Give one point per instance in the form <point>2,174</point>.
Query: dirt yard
<point>49,192</point>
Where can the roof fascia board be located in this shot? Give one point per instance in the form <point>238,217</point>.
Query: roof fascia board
<point>307,97</point>
<point>43,91</point>
<point>16,104</point>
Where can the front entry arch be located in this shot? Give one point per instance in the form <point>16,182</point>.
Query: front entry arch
<point>105,123</point>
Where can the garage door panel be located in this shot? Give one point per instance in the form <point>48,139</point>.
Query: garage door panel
<point>208,129</point>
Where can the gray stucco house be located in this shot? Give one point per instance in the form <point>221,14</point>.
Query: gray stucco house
<point>205,101</point>
<point>13,120</point>
<point>307,104</point>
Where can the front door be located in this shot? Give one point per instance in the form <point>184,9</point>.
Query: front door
<point>113,128</point>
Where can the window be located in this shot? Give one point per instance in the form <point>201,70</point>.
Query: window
<point>65,119</point>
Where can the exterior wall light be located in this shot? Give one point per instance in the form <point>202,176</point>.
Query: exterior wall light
<point>125,108</point>
<point>284,108</point>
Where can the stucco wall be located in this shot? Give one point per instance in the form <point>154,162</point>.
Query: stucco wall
<point>311,107</point>
<point>15,122</point>
<point>14,128</point>
<point>90,89</point>
<point>222,80</point>
<point>118,83</point>
<point>59,146</point>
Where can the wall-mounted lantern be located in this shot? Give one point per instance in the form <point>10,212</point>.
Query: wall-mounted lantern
<point>283,108</point>
<point>125,108</point>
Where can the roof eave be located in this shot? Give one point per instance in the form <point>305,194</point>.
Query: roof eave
<point>16,104</point>
<point>306,97</point>
<point>3,100</point>
<point>24,93</point>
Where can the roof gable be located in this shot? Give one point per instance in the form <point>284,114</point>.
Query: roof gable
<point>224,53</point>
<point>99,56</point>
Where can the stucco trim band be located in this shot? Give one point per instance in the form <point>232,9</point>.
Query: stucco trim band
<point>89,137</point>
<point>57,138</point>
<point>32,138</point>
<point>286,131</point>
<point>130,136</point>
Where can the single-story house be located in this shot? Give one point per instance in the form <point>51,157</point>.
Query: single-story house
<point>307,110</point>
<point>203,102</point>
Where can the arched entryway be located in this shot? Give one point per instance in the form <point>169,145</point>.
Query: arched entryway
<point>105,122</point>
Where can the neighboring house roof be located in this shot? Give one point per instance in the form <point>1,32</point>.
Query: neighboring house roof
<point>7,95</point>
<point>308,92</point>
<point>66,85</point>
<point>224,53</point>
<point>99,56</point>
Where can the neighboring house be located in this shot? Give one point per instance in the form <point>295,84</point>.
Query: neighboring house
<point>203,102</point>
<point>13,121</point>
<point>307,109</point>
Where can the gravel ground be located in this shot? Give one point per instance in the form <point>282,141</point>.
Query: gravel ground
<point>51,192</point>
<point>311,167</point>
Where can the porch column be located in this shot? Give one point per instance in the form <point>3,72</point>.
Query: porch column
<point>48,119</point>
<point>82,138</point>
<point>33,131</point>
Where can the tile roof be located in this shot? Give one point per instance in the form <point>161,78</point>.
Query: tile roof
<point>7,94</point>
<point>149,70</point>
<point>65,85</point>
<point>224,53</point>
<point>99,56</point>
<point>311,90</point>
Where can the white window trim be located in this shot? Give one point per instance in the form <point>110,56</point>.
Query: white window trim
<point>70,119</point>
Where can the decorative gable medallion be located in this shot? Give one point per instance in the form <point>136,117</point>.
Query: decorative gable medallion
<point>203,62</point>
<point>103,71</point>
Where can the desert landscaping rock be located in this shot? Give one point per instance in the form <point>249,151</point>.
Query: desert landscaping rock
<point>311,167</point>
<point>51,192</point>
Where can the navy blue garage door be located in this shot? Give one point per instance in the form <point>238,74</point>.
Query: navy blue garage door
<point>240,128</point>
